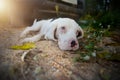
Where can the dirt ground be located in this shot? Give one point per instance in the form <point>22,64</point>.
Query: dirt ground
<point>48,62</point>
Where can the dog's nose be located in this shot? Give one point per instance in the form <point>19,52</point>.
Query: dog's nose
<point>73,43</point>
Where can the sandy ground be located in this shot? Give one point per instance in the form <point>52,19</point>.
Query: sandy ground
<point>47,61</point>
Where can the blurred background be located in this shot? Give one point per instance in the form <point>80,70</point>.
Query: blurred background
<point>23,12</point>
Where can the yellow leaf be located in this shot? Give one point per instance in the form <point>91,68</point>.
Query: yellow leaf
<point>25,46</point>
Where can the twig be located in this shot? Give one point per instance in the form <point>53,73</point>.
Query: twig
<point>24,55</point>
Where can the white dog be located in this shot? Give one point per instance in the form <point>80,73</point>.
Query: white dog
<point>64,30</point>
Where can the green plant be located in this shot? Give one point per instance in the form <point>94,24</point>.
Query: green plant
<point>110,18</point>
<point>92,39</point>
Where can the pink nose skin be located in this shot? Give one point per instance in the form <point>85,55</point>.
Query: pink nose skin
<point>73,43</point>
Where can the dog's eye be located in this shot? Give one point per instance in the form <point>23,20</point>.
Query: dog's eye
<point>63,29</point>
<point>79,33</point>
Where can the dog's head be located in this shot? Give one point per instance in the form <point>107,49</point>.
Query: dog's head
<point>67,32</point>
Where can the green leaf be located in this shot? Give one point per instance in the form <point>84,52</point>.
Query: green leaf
<point>90,46</point>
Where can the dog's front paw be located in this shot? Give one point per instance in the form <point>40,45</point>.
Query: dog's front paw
<point>24,33</point>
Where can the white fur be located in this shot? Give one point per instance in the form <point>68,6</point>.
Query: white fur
<point>66,32</point>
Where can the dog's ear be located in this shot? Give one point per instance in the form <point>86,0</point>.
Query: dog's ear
<point>79,33</point>
<point>52,32</point>
<point>55,34</point>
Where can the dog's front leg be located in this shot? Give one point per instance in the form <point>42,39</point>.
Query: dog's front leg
<point>33,39</point>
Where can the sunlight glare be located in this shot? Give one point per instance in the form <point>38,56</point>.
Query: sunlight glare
<point>3,5</point>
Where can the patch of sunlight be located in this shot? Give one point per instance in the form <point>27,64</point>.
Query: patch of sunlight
<point>3,5</point>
